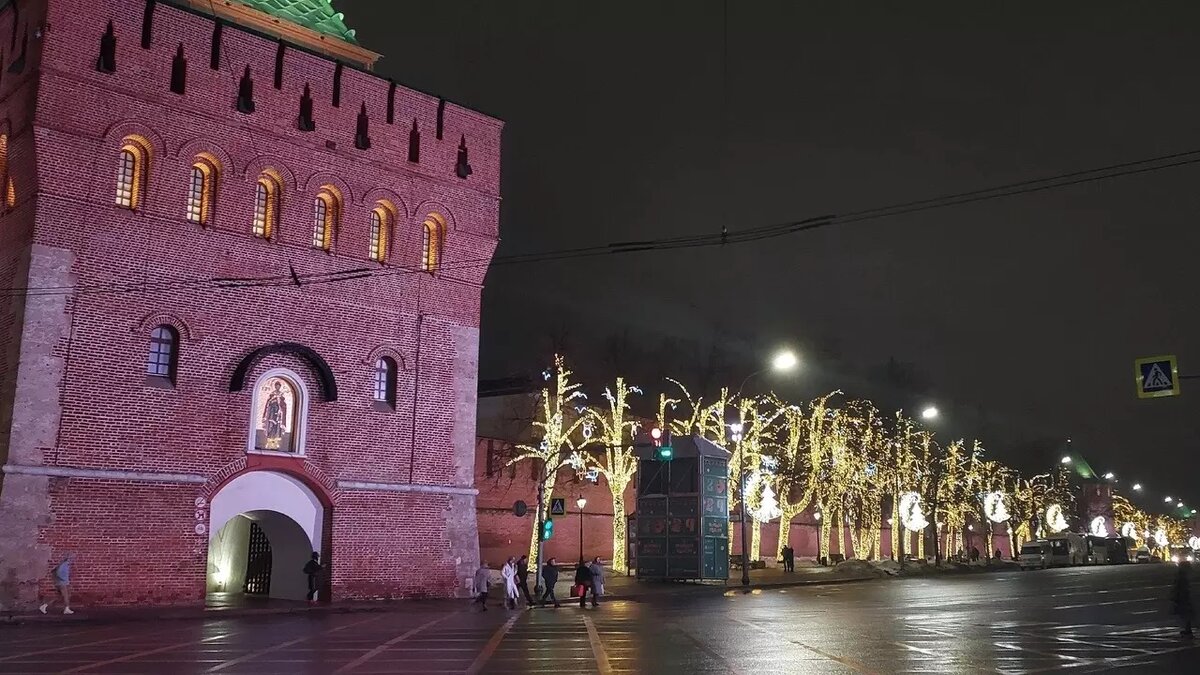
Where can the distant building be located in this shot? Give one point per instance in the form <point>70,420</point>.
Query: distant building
<point>241,311</point>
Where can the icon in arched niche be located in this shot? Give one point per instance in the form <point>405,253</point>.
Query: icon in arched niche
<point>278,402</point>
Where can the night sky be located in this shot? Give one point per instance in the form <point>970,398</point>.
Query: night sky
<point>1019,317</point>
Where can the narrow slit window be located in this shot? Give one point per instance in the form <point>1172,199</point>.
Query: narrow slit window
<point>384,381</point>
<point>266,206</point>
<point>325,216</point>
<point>201,189</point>
<point>164,353</point>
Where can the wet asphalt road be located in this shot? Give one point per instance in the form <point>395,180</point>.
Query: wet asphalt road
<point>1080,620</point>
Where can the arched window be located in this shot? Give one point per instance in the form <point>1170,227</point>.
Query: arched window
<point>266,203</point>
<point>202,189</point>
<point>131,171</point>
<point>433,236</point>
<point>326,208</point>
<point>278,413</point>
<point>382,217</point>
<point>164,353</point>
<point>384,381</point>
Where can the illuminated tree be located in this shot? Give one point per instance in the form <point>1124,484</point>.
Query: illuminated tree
<point>616,460</point>
<point>555,427</point>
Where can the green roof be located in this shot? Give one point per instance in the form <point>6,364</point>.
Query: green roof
<point>317,15</point>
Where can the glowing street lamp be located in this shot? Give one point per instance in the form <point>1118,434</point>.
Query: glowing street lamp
<point>1066,459</point>
<point>581,502</point>
<point>784,361</point>
<point>1168,500</point>
<point>930,413</point>
<point>1137,487</point>
<point>1109,476</point>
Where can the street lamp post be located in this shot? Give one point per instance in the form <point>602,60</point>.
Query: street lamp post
<point>581,502</point>
<point>783,361</point>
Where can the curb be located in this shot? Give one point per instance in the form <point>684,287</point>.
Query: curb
<point>192,613</point>
<point>698,588</point>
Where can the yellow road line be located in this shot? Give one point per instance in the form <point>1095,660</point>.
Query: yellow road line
<point>597,647</point>
<point>490,648</point>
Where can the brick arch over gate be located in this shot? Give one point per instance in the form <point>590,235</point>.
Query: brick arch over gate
<point>319,365</point>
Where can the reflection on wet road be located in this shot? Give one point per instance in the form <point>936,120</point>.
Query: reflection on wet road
<point>1080,620</point>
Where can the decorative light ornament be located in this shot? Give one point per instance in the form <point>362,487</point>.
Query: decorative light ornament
<point>1129,531</point>
<point>1055,520</point>
<point>994,507</point>
<point>1099,527</point>
<point>911,515</point>
<point>768,505</point>
<point>1160,538</point>
<point>1194,543</point>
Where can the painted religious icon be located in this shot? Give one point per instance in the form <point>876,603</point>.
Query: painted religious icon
<point>276,415</point>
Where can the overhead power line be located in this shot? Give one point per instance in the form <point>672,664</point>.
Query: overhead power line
<point>722,237</point>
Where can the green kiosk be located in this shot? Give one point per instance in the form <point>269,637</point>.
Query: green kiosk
<point>682,509</point>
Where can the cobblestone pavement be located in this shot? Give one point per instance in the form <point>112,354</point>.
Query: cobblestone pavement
<point>1079,620</point>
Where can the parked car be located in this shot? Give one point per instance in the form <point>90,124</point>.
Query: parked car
<point>1033,555</point>
<point>1143,555</point>
<point>1182,554</point>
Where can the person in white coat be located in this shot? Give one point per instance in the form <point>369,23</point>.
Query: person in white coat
<point>511,593</point>
<point>597,580</point>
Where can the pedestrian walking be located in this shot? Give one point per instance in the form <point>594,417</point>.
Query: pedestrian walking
<point>1183,597</point>
<point>583,582</point>
<point>789,558</point>
<point>61,576</point>
<point>523,579</point>
<point>550,577</point>
<point>313,569</point>
<point>509,572</point>
<point>597,569</point>
<point>479,586</point>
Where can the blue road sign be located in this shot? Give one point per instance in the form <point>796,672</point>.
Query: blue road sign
<point>558,506</point>
<point>1156,376</point>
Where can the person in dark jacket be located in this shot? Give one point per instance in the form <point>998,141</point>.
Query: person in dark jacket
<point>1183,597</point>
<point>523,579</point>
<point>583,577</point>
<point>313,569</point>
<point>550,577</point>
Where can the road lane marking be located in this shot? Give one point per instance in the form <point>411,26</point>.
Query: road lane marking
<point>706,649</point>
<point>1102,604</point>
<point>283,645</point>
<point>492,645</point>
<point>14,657</point>
<point>148,652</point>
<point>597,646</point>
<point>853,664</point>
<point>396,640</point>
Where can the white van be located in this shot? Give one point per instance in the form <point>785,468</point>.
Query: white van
<point>1033,555</point>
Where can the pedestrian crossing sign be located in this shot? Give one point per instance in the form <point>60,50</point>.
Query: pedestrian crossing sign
<point>558,506</point>
<point>1156,376</point>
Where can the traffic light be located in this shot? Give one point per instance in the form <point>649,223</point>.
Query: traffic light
<point>663,443</point>
<point>547,529</point>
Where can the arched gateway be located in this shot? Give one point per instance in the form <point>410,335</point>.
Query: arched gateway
<point>264,526</point>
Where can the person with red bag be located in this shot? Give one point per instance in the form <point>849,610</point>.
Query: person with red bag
<point>583,582</point>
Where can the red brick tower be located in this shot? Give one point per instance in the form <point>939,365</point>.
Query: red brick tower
<point>239,306</point>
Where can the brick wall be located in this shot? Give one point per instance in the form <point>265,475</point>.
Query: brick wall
<point>105,415</point>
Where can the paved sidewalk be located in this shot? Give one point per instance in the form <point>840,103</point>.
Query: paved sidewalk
<point>617,587</point>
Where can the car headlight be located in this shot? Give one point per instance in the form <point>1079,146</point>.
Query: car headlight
<point>1174,558</point>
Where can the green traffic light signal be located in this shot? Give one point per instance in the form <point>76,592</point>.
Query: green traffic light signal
<point>547,529</point>
<point>665,452</point>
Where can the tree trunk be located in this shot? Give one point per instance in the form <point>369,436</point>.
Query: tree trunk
<point>785,525</point>
<point>755,540</point>
<point>620,560</point>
